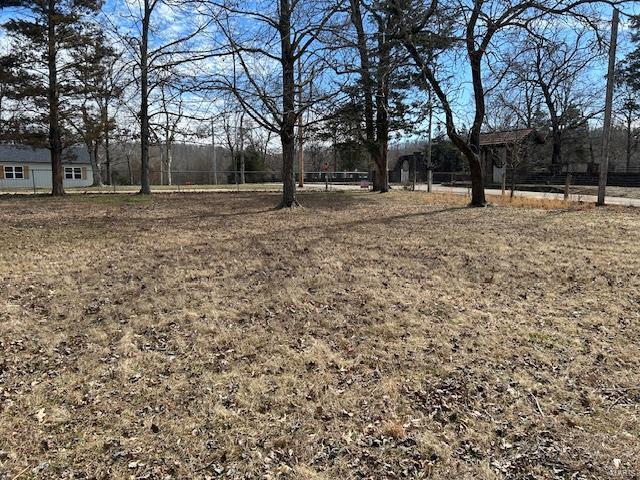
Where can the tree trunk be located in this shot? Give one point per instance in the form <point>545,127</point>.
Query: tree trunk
<point>381,178</point>
<point>145,188</point>
<point>629,140</point>
<point>130,170</point>
<point>162,163</point>
<point>107,159</point>
<point>556,132</point>
<point>381,183</point>
<point>287,136</point>
<point>2,94</point>
<point>107,153</point>
<point>556,148</point>
<point>241,153</point>
<point>95,164</point>
<point>301,128</point>
<point>470,147</point>
<point>55,136</point>
<point>477,181</point>
<point>169,160</point>
<point>367,90</point>
<point>288,178</point>
<point>475,164</point>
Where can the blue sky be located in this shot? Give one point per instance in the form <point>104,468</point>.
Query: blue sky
<point>170,23</point>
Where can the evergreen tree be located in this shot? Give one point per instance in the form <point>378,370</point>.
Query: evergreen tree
<point>628,78</point>
<point>7,93</point>
<point>44,33</point>
<point>632,62</point>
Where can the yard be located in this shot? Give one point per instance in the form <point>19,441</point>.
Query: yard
<point>364,336</point>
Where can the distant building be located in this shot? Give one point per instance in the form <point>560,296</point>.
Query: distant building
<point>26,167</point>
<point>524,156</point>
<point>406,166</point>
<point>508,150</point>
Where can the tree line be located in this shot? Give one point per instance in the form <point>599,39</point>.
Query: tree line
<point>152,72</point>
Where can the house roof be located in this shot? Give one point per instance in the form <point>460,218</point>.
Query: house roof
<point>508,137</point>
<point>24,154</point>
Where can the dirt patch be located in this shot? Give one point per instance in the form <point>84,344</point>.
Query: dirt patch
<point>364,336</point>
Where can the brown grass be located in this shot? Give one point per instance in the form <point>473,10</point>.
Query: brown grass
<point>508,201</point>
<point>364,336</point>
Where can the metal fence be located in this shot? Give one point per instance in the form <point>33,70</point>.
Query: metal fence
<point>39,181</point>
<point>573,184</point>
<point>233,177</point>
<point>568,184</point>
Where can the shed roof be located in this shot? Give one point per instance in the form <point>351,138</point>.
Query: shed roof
<point>76,154</point>
<point>509,137</point>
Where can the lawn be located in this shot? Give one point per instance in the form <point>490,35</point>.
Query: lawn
<point>364,336</point>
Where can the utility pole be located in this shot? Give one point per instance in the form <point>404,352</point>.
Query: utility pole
<point>215,158</point>
<point>300,126</point>
<point>242,180</point>
<point>606,128</point>
<point>429,147</point>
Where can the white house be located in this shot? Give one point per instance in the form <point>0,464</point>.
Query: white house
<point>26,167</point>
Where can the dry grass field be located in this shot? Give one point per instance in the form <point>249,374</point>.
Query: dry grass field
<point>362,337</point>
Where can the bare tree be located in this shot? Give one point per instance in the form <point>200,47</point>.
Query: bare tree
<point>556,65</point>
<point>93,62</point>
<point>231,115</point>
<point>477,29</point>
<point>156,50</point>
<point>110,101</point>
<point>171,112</point>
<point>275,35</point>
<point>516,104</point>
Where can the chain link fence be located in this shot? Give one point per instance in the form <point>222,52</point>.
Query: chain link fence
<point>569,185</point>
<point>39,181</point>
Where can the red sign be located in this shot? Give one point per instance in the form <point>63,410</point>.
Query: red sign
<point>325,167</point>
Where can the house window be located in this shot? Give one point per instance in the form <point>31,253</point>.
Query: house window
<point>73,173</point>
<point>13,172</point>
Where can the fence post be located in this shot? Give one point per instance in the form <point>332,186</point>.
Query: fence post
<point>567,185</point>
<point>429,179</point>
<point>33,179</point>
<point>504,182</point>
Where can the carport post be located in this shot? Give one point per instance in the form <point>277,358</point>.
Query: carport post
<point>414,165</point>
<point>567,186</point>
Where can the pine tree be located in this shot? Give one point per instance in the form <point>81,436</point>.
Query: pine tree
<point>7,93</point>
<point>43,32</point>
<point>632,62</point>
<point>629,82</point>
